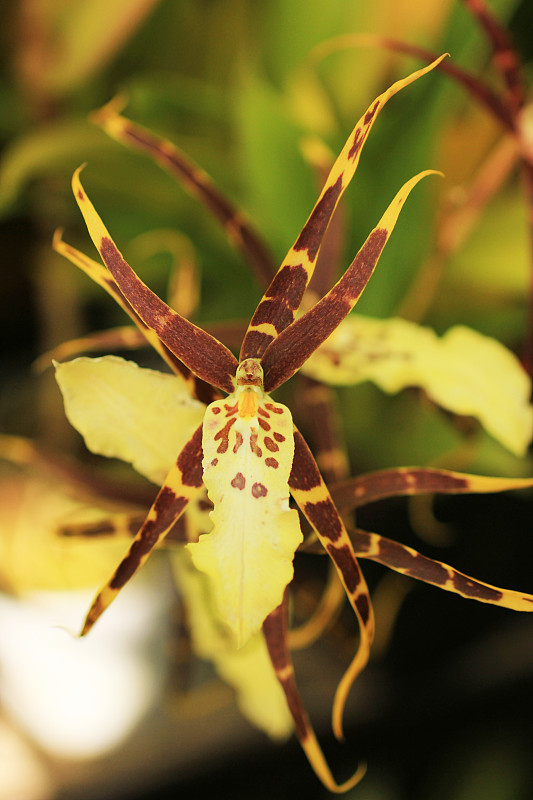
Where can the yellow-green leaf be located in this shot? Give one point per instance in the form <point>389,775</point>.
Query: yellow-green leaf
<point>248,670</point>
<point>124,411</point>
<point>463,371</point>
<point>248,447</point>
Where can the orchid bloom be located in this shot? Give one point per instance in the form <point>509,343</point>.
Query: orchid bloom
<point>244,447</point>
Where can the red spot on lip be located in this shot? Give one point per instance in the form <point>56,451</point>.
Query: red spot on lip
<point>259,490</point>
<point>81,195</point>
<point>271,462</point>
<point>239,481</point>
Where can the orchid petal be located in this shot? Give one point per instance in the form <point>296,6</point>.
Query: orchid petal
<point>181,485</point>
<point>204,355</point>
<point>295,344</point>
<point>248,555</point>
<point>248,669</point>
<point>195,181</point>
<point>407,561</point>
<point>463,371</point>
<point>282,299</point>
<point>310,492</point>
<point>123,411</point>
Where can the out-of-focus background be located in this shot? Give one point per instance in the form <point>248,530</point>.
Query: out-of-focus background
<point>445,708</point>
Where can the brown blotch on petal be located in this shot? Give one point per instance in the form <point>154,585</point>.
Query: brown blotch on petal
<point>223,435</point>
<point>324,517</point>
<point>371,113</point>
<point>216,410</point>
<point>264,424</point>
<point>279,437</point>
<point>239,481</point>
<point>275,313</point>
<point>304,473</point>
<point>259,490</point>
<point>270,444</point>
<point>254,447</point>
<point>189,461</point>
<point>310,238</point>
<point>263,413</point>
<point>356,144</point>
<point>413,563</point>
<point>473,589</point>
<point>271,462</point>
<point>289,283</point>
<point>347,564</point>
<point>239,441</point>
<point>256,343</point>
<point>166,508</point>
<point>274,408</point>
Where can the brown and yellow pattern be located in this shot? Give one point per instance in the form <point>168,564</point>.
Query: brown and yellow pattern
<point>282,299</point>
<point>246,452</point>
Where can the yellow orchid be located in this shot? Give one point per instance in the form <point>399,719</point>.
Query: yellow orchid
<point>244,447</point>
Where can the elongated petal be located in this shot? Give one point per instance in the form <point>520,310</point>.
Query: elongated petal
<point>195,181</point>
<point>248,555</point>
<point>201,353</point>
<point>357,492</point>
<point>125,337</point>
<point>328,609</point>
<point>123,411</point>
<point>282,299</point>
<point>297,342</point>
<point>181,485</point>
<point>100,275</point>
<point>463,371</point>
<point>310,492</point>
<point>275,630</point>
<point>472,83</point>
<point>247,670</point>
<point>407,561</point>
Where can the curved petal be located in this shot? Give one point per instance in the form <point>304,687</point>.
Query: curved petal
<point>181,485</point>
<point>407,561</point>
<point>311,493</point>
<point>282,299</point>
<point>275,630</point>
<point>463,371</point>
<point>402,481</point>
<point>206,357</point>
<point>295,344</point>
<point>195,181</point>
<point>124,411</point>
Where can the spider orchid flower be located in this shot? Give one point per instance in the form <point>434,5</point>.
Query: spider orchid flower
<point>244,447</point>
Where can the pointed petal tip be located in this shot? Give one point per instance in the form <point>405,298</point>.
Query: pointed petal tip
<point>57,238</point>
<point>111,109</point>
